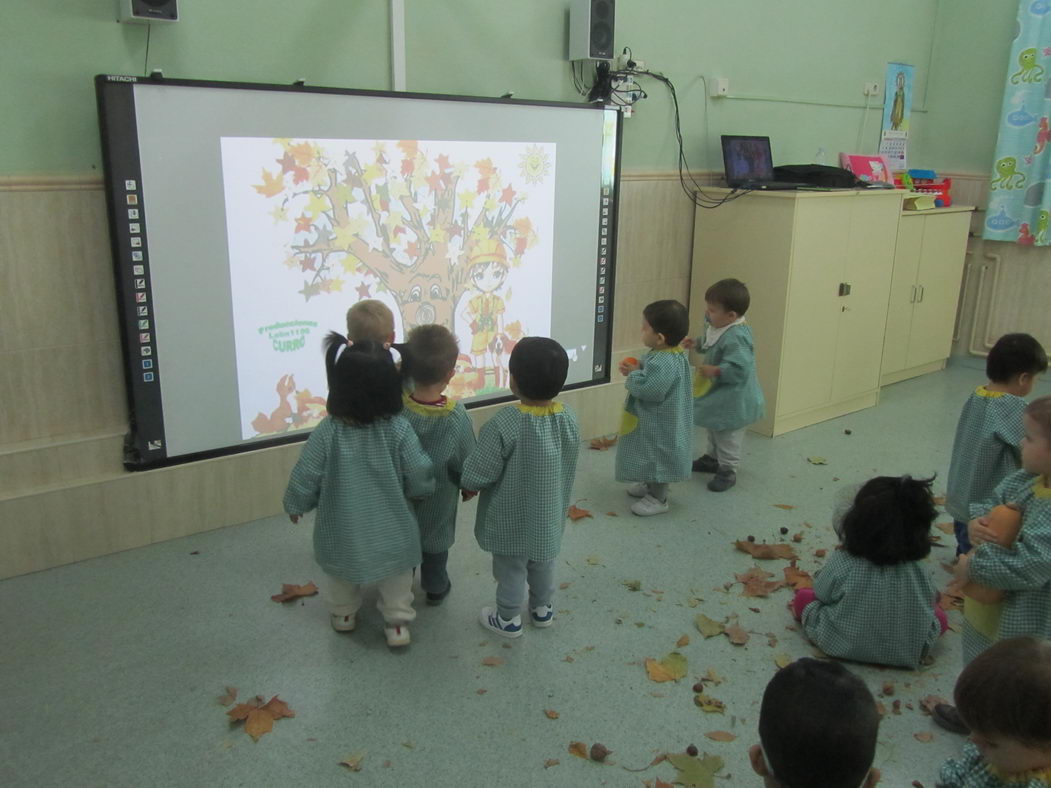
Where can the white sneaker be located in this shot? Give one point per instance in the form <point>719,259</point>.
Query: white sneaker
<point>397,635</point>
<point>492,621</point>
<point>342,623</point>
<point>638,490</point>
<point>648,506</point>
<point>542,616</point>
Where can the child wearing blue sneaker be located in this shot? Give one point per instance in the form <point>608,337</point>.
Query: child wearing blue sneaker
<point>524,466</point>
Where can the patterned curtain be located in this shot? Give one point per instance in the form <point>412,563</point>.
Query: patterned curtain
<point>1019,200</point>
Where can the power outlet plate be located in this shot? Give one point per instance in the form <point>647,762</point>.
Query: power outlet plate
<point>718,87</point>
<point>870,89</point>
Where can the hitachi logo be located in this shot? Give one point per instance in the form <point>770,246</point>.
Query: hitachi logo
<point>113,78</point>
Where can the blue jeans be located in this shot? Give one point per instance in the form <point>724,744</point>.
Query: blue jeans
<point>963,543</point>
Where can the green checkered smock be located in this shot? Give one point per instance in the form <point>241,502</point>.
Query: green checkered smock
<point>869,613</point>
<point>985,450</point>
<point>1023,571</point>
<point>734,400</point>
<point>656,434</point>
<point>973,771</point>
<point>524,466</point>
<point>447,436</point>
<point>359,479</point>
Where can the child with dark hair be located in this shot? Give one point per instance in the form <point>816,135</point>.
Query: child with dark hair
<point>727,396</point>
<point>524,466</point>
<point>873,601</point>
<point>986,447</point>
<point>428,363</point>
<point>817,729</point>
<point>358,468</point>
<point>654,445</point>
<point>1004,695</point>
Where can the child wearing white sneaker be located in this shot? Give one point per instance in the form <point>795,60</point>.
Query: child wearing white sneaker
<point>359,468</point>
<point>654,445</point>
<point>524,466</point>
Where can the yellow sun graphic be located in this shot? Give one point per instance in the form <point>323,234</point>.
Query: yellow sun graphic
<point>534,164</point>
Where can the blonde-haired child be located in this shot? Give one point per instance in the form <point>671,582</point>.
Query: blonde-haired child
<point>370,320</point>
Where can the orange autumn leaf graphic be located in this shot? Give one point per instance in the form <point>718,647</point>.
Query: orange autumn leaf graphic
<point>272,184</point>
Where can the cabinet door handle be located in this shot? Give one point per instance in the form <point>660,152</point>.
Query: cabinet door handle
<point>912,295</point>
<point>844,288</point>
<point>921,294</point>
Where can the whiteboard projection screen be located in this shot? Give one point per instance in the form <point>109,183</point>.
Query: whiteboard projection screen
<point>246,219</point>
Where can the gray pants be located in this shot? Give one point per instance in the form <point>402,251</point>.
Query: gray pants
<point>512,573</point>
<point>658,490</point>
<point>725,446</point>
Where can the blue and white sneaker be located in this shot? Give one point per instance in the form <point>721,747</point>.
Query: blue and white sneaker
<point>542,616</point>
<point>492,621</point>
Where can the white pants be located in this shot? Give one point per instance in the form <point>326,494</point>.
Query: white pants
<point>395,597</point>
<point>725,446</point>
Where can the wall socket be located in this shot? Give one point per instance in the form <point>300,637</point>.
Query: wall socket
<point>870,89</point>
<point>718,87</point>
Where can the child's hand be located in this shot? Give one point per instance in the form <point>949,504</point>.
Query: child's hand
<point>466,495</point>
<point>960,573</point>
<point>689,343</point>
<point>709,371</point>
<point>294,518</point>
<point>628,365</point>
<point>979,532</point>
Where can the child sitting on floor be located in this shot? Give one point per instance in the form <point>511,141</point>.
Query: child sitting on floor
<point>817,729</point>
<point>988,434</point>
<point>1004,695</point>
<point>873,601</point>
<point>359,467</point>
<point>428,363</point>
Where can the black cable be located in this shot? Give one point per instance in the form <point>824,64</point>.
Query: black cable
<point>146,64</point>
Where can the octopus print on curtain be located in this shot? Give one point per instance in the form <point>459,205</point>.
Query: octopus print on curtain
<point>1019,195</point>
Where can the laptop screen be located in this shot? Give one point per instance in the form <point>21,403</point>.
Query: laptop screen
<point>747,159</point>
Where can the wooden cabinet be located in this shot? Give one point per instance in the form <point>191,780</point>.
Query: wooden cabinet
<point>925,290</point>
<point>818,266</point>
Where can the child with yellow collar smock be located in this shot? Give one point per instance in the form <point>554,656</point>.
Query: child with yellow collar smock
<point>727,397</point>
<point>523,466</point>
<point>428,363</point>
<point>654,445</point>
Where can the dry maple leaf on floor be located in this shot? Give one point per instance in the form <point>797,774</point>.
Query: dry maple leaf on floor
<point>551,714</point>
<point>353,762</point>
<point>683,641</point>
<point>603,443</point>
<point>576,513</point>
<point>672,668</point>
<point>721,735</point>
<point>229,697</point>
<point>798,578</point>
<point>737,634</point>
<point>291,591</point>
<point>709,704</point>
<point>757,584</point>
<point>766,552</point>
<point>923,736</point>
<point>695,772</point>
<point>492,662</point>
<point>579,749</point>
<point>258,718</point>
<point>785,506</point>
<point>708,627</point>
<point>929,702</point>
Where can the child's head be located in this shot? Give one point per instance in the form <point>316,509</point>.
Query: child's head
<point>429,355</point>
<point>370,320</point>
<point>890,521</point>
<point>817,728</point>
<point>487,265</point>
<point>1016,360</point>
<point>1004,696</point>
<point>538,368</point>
<point>664,323</point>
<point>726,301</point>
<point>363,383</point>
<point>1036,445</point>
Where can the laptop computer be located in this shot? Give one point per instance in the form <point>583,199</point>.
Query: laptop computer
<point>749,165</point>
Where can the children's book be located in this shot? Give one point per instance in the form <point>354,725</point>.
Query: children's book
<point>871,169</point>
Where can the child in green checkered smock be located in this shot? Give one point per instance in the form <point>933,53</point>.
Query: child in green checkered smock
<point>985,449</point>
<point>873,600</point>
<point>1023,570</point>
<point>523,466</point>
<point>727,396</point>
<point>1004,696</point>
<point>358,469</point>
<point>654,445</point>
<point>444,428</point>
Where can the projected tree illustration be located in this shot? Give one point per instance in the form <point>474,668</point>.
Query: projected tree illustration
<point>449,232</point>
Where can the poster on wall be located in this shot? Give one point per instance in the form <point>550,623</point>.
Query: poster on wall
<point>897,104</point>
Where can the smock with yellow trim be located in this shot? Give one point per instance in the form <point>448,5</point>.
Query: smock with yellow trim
<point>523,466</point>
<point>446,434</point>
<point>656,435</point>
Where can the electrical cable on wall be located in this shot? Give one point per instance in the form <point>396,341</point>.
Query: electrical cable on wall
<point>146,62</point>
<point>608,87</point>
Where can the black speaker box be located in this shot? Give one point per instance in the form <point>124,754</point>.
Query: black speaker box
<point>146,11</point>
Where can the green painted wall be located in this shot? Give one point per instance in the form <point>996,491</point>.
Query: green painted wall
<point>807,54</point>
